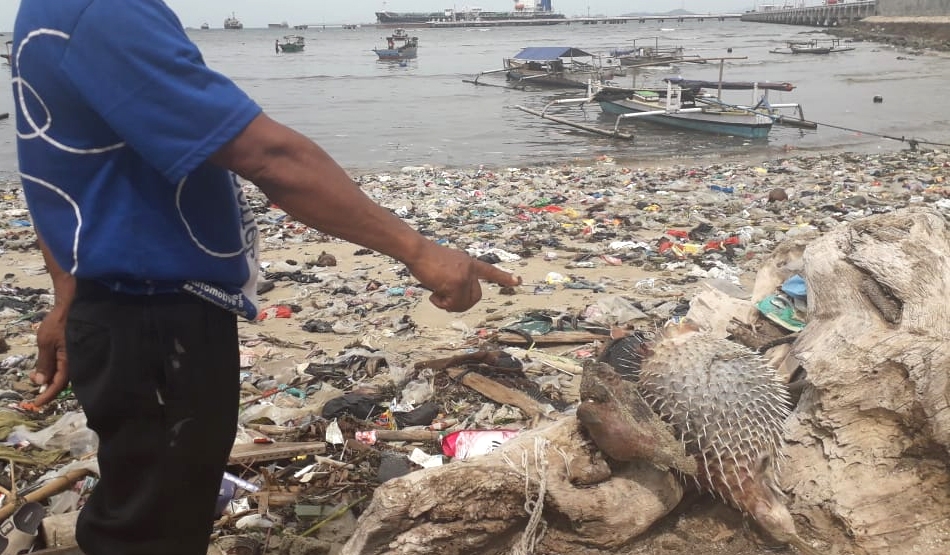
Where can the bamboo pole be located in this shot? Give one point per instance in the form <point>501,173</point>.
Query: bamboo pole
<point>577,125</point>
<point>53,486</point>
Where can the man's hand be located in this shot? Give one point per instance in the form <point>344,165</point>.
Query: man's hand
<point>51,365</point>
<point>51,368</point>
<point>453,277</point>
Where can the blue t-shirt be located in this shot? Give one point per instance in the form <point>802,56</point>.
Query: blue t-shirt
<point>117,115</point>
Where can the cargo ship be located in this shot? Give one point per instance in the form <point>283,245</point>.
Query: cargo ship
<point>540,10</point>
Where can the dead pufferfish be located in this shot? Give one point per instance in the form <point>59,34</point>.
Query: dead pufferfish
<point>727,407</point>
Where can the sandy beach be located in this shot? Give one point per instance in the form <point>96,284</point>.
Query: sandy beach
<point>515,210</point>
<point>575,234</point>
<point>585,238</point>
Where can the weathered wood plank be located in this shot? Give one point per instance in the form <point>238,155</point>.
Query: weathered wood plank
<point>248,453</point>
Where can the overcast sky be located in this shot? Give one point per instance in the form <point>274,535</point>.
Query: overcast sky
<point>258,13</point>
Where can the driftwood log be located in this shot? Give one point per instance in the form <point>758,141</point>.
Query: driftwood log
<point>868,453</point>
<point>545,491</point>
<point>867,467</point>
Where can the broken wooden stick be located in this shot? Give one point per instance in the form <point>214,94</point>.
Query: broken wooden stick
<point>248,453</point>
<point>498,392</point>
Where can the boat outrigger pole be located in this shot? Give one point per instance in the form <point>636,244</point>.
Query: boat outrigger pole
<point>780,119</point>
<point>581,101</point>
<point>475,80</point>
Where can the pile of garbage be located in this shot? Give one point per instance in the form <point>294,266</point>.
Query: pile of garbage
<point>344,386</point>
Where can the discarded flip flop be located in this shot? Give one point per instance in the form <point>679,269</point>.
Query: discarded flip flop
<point>797,290</point>
<point>19,532</point>
<point>238,545</point>
<point>779,309</point>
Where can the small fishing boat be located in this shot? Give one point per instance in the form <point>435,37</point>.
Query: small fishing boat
<point>809,49</point>
<point>205,26</point>
<point>649,55</point>
<point>291,43</point>
<point>399,46</point>
<point>553,66</point>
<point>685,108</point>
<point>813,46</point>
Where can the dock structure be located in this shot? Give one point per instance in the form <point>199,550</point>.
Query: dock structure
<point>592,20</point>
<point>827,14</point>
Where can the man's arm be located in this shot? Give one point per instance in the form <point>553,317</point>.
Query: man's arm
<point>301,178</point>
<point>51,365</point>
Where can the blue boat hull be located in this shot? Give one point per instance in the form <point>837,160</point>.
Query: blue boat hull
<point>748,126</point>
<point>388,54</point>
<point>557,80</point>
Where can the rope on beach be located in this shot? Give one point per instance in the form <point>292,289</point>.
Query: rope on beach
<point>910,141</point>
<point>532,535</point>
<point>914,143</point>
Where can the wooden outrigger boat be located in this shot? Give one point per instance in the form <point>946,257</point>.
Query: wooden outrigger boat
<point>684,104</point>
<point>552,67</point>
<point>685,108</point>
<point>813,46</point>
<point>655,55</point>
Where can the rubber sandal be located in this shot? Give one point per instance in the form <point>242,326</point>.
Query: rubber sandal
<point>779,309</point>
<point>19,532</point>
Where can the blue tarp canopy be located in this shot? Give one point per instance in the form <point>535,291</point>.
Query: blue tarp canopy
<point>549,53</point>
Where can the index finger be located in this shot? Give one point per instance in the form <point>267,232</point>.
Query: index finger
<point>494,274</point>
<point>45,368</point>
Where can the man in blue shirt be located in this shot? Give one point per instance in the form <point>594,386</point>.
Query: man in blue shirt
<point>127,142</point>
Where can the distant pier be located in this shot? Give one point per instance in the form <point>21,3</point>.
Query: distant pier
<point>593,20</point>
<point>825,15</point>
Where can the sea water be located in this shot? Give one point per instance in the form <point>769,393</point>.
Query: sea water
<point>381,116</point>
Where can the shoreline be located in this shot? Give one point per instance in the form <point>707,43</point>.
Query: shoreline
<point>914,33</point>
<point>774,155</point>
<point>9,181</point>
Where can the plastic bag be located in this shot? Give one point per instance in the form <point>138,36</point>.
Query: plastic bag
<point>68,433</point>
<point>469,443</point>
